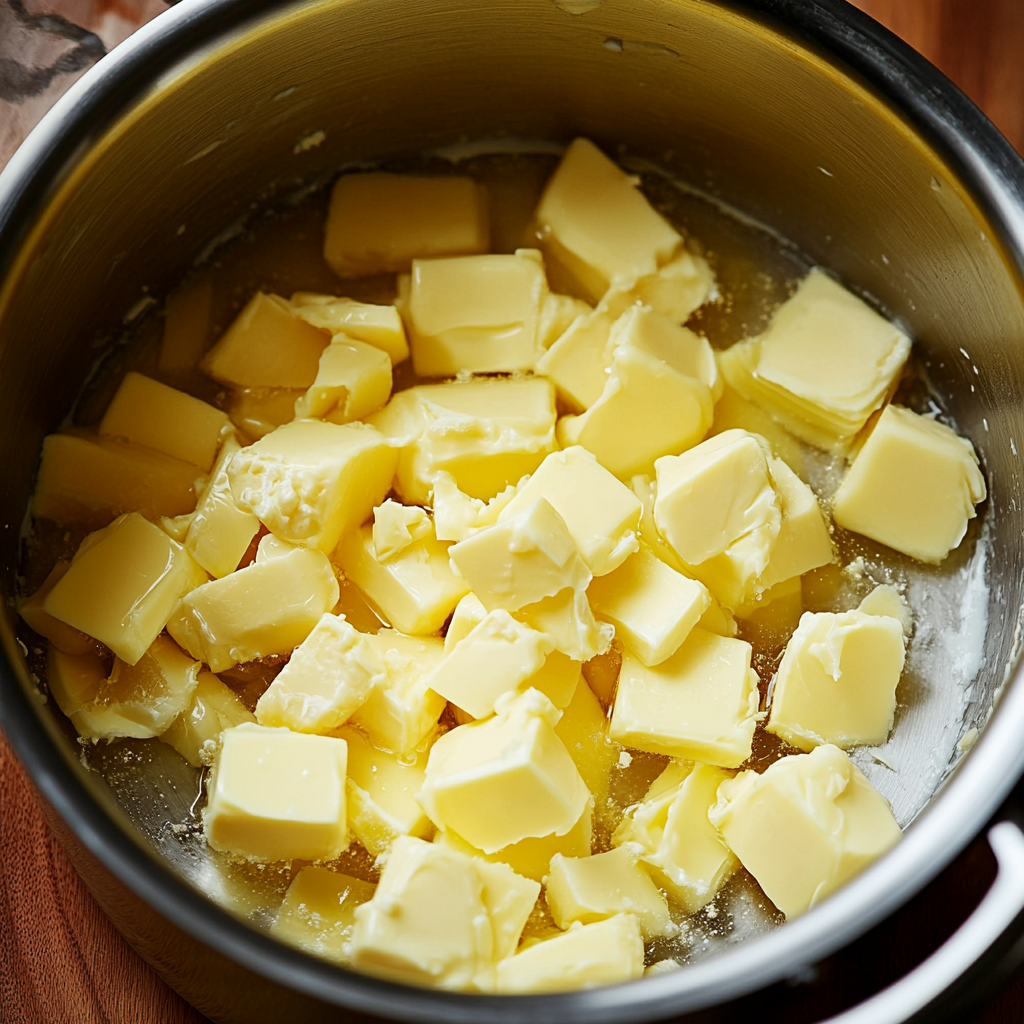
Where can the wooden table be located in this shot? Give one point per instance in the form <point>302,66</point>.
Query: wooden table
<point>61,961</point>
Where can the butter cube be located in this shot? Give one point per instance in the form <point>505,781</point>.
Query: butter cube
<point>826,362</point>
<point>414,590</point>
<point>509,899</point>
<point>487,434</point>
<point>884,600</point>
<point>379,223</point>
<point>498,656</point>
<point>60,634</point>
<point>186,324</point>
<point>601,514</point>
<point>73,681</point>
<point>503,779</point>
<point>677,288</point>
<point>569,621</point>
<point>913,486</point>
<point>734,412</point>
<point>90,481</point>
<point>700,704</point>
<point>476,313</point>
<point>219,532</point>
<point>556,316</point>
<point>149,413</point>
<point>353,380</point>
<point>310,482</point>
<point>805,826</point>
<point>275,794</point>
<point>380,326</point>
<point>400,715</point>
<point>328,677</point>
<point>556,678</point>
<point>258,411</point>
<point>195,733</point>
<point>680,847</point>
<point>268,607</point>
<point>457,515</point>
<point>837,680</point>
<point>521,560</point>
<point>397,527</point>
<point>381,790</point>
<point>578,361</point>
<point>589,889</point>
<point>583,728</point>
<point>468,614</point>
<point>652,607</point>
<point>586,956</point>
<point>123,584</point>
<point>647,409</point>
<point>598,226</point>
<point>266,346</point>
<point>427,922</point>
<point>318,912</point>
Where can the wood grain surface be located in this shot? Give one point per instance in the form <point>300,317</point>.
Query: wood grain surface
<point>62,962</point>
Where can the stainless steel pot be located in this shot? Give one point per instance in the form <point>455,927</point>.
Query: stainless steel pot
<point>803,113</point>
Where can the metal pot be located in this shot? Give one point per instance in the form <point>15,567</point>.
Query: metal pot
<point>802,113</point>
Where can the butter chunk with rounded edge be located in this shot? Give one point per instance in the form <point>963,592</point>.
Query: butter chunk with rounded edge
<point>275,794</point>
<point>476,313</point>
<point>309,482</point>
<point>589,889</point>
<point>487,434</point>
<point>380,326</point>
<point>586,956</point>
<point>123,585</point>
<point>913,486</point>
<point>328,677</point>
<point>700,704</point>
<point>73,680</point>
<point>60,634</point>
<point>318,912</point>
<point>837,680</point>
<point>887,600</point>
<point>506,778</point>
<point>601,513</point>
<point>652,607</point>
<point>266,346</point>
<point>353,380</point>
<point>378,223</point>
<point>268,607</point>
<point>195,733</point>
<point>805,826</point>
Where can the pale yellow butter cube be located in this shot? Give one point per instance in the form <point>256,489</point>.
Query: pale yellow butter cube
<point>195,733</point>
<point>378,223</point>
<point>476,313</point>
<point>258,411</point>
<point>601,514</point>
<point>353,380</point>
<point>149,413</point>
<point>90,481</point>
<point>427,922</point>
<point>586,956</point>
<point>487,434</point>
<point>647,410</point>
<point>268,607</point>
<point>457,515</point>
<point>400,715</point>
<point>468,614</point>
<point>700,704</point>
<point>578,361</point>
<point>328,677</point>
<point>567,618</point>
<point>318,912</point>
<point>123,585</point>
<point>499,655</point>
<point>380,326</point>
<point>219,532</point>
<point>509,899</point>
<point>652,607</point>
<point>266,346</point>
<point>414,590</point>
<point>275,794</point>
<point>397,527</point>
<point>506,778</point>
<point>680,847</point>
<point>556,316</point>
<point>676,289</point>
<point>556,678</point>
<point>805,826</point>
<point>589,889</point>
<point>60,634</point>
<point>837,680</point>
<point>583,728</point>
<point>310,482</point>
<point>597,224</point>
<point>73,681</point>
<point>913,486</point>
<point>381,790</point>
<point>887,600</point>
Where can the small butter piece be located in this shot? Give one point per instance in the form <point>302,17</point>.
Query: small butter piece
<point>583,728</point>
<point>837,680</point>
<point>353,380</point>
<point>396,527</point>
<point>60,634</point>
<point>275,794</point>
<point>195,733</point>
<point>569,621</point>
<point>186,324</point>
<point>734,412</point>
<point>74,680</point>
<point>885,600</point>
<point>380,326</point>
<point>805,826</point>
<point>578,361</point>
<point>258,411</point>
<point>379,223</point>
<point>457,515</point>
<point>700,704</point>
<point>913,486</point>
<point>676,289</point>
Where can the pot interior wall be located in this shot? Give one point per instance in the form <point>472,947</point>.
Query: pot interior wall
<point>724,102</point>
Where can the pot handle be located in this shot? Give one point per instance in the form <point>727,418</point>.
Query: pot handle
<point>969,943</point>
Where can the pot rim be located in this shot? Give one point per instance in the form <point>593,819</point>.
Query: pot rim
<point>993,173</point>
